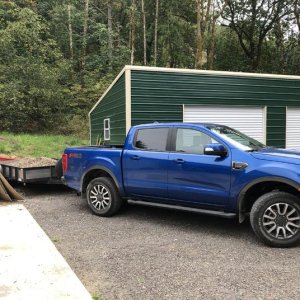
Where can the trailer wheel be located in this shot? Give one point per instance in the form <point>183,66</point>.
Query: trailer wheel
<point>103,197</point>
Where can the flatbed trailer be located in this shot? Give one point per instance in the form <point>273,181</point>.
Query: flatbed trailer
<point>44,174</point>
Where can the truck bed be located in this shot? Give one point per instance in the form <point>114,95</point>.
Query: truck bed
<point>83,159</point>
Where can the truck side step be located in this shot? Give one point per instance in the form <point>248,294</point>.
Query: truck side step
<point>184,208</point>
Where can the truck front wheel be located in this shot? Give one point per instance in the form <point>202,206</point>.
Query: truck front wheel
<point>275,219</point>
<point>103,197</point>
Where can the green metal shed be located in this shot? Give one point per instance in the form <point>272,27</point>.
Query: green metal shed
<point>264,106</point>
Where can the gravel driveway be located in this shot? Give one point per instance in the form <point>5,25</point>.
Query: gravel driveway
<point>152,253</point>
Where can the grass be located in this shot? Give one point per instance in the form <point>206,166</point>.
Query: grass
<point>37,145</point>
<point>96,296</point>
<point>55,240</point>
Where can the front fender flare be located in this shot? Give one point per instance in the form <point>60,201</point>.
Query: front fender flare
<point>241,197</point>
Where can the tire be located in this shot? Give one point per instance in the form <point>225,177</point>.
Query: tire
<point>275,219</point>
<point>59,169</point>
<point>102,197</point>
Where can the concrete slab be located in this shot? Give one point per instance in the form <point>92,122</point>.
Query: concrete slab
<point>30,265</point>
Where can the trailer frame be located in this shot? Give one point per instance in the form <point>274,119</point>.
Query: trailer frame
<point>45,174</point>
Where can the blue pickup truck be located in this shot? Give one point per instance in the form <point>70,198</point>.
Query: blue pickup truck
<point>207,168</point>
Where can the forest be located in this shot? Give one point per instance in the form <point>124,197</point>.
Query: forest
<point>58,56</point>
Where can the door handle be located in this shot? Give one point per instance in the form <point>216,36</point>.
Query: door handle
<point>179,161</point>
<point>135,157</point>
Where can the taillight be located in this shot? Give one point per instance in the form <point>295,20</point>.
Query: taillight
<point>64,160</point>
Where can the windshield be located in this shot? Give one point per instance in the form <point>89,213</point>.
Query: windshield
<point>236,138</point>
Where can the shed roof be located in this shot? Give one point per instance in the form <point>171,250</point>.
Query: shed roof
<point>194,71</point>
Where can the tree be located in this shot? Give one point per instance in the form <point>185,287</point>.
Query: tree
<point>57,57</point>
<point>203,15</point>
<point>296,10</point>
<point>156,30</point>
<point>216,11</point>
<point>176,47</point>
<point>229,56</point>
<point>85,28</point>
<point>144,33</point>
<point>109,32</point>
<point>70,32</point>
<point>252,20</point>
<point>33,94</point>
<point>132,31</point>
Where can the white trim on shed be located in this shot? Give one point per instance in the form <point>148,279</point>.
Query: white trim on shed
<point>128,98</point>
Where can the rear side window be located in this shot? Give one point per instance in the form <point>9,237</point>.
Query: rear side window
<point>152,139</point>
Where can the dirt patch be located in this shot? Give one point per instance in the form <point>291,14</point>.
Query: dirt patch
<point>31,162</point>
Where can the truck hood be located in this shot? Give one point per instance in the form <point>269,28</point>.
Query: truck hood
<point>278,155</point>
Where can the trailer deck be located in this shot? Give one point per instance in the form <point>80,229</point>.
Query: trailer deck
<point>30,170</point>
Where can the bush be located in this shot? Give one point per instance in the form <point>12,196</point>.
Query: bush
<point>76,125</point>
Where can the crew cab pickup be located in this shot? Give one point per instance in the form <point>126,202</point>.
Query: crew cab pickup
<point>207,168</point>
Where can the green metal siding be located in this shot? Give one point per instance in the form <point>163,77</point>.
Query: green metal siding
<point>159,96</point>
<point>276,126</point>
<point>111,106</point>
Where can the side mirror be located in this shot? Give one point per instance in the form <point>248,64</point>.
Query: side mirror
<point>215,149</point>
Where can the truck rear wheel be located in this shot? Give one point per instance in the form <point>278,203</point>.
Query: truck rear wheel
<point>275,219</point>
<point>103,197</point>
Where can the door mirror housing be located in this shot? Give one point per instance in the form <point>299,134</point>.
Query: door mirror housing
<point>215,149</point>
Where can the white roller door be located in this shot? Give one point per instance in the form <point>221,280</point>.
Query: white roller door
<point>249,120</point>
<point>293,128</point>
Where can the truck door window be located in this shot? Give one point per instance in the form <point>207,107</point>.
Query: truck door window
<point>192,141</point>
<point>152,139</point>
